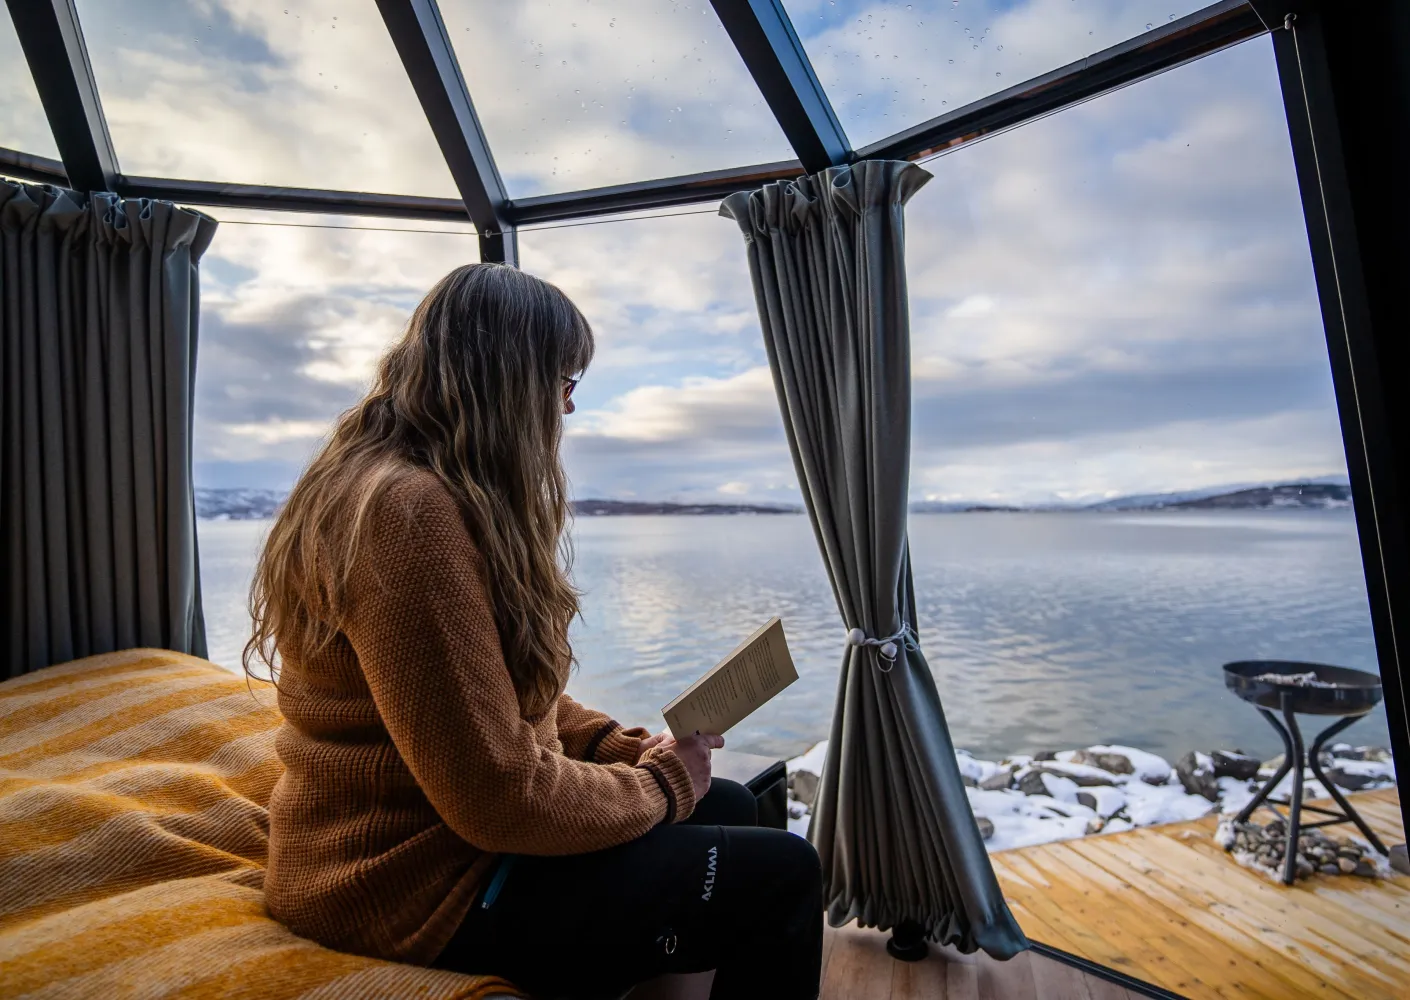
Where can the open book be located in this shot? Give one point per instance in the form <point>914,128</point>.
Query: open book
<point>759,668</point>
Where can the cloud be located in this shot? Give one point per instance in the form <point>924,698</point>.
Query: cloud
<point>1118,295</point>
<point>1103,464</point>
<point>889,65</point>
<point>741,408</point>
<point>594,94</point>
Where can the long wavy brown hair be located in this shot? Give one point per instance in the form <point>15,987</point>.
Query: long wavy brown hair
<point>473,391</point>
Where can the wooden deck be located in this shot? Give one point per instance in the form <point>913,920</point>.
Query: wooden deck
<point>1165,905</point>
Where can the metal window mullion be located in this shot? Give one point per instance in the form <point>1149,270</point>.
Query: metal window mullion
<point>1338,67</point>
<point>764,37</point>
<point>53,45</point>
<point>421,40</point>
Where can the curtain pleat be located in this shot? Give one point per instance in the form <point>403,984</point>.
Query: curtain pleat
<point>892,821</point>
<point>98,321</point>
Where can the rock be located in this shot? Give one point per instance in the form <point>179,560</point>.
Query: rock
<point>1399,859</point>
<point>1329,869</point>
<point>1105,800</point>
<point>986,826</point>
<point>998,781</point>
<point>1095,824</point>
<point>1350,780</point>
<point>1272,764</point>
<point>804,786</point>
<point>1345,752</point>
<point>1346,866</point>
<point>1031,783</point>
<point>1234,764</point>
<point>968,781</point>
<point>1077,777</point>
<point>1197,776</point>
<point>1045,755</point>
<point>1116,763</point>
<point>1365,869</point>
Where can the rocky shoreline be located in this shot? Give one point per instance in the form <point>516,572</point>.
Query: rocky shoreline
<point>1024,799</point>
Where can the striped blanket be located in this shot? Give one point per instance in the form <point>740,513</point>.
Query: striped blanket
<point>133,837</point>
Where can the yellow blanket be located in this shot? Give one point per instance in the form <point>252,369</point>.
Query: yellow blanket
<point>133,837</point>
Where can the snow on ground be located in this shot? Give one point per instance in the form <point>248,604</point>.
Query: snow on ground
<point>810,761</point>
<point>1025,801</point>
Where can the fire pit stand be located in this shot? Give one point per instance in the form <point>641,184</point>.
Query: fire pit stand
<point>1313,689</point>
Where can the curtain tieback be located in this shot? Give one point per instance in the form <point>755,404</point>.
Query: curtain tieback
<point>885,647</point>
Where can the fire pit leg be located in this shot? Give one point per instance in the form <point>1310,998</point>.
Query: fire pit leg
<point>1333,790</point>
<point>1272,782</point>
<point>1295,799</point>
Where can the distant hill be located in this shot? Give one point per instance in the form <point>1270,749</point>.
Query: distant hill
<point>237,504</point>
<point>254,505</point>
<point>964,507</point>
<point>599,508</point>
<point>1319,496</point>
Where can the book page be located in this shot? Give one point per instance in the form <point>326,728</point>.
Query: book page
<point>754,672</point>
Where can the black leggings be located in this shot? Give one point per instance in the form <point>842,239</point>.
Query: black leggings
<point>715,892</point>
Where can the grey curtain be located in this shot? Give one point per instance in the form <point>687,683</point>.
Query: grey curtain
<point>892,824</point>
<point>98,309</point>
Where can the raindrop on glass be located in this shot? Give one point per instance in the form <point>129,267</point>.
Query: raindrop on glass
<point>1149,26</point>
<point>1001,48</point>
<point>998,74</point>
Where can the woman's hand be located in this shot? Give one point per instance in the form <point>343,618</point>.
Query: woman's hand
<point>694,753</point>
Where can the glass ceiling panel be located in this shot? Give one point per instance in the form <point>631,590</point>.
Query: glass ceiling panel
<point>889,64</point>
<point>578,94</point>
<point>299,93</point>
<point>22,122</point>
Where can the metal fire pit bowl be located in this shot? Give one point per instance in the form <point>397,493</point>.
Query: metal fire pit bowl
<point>1337,690</point>
<point>1289,687</point>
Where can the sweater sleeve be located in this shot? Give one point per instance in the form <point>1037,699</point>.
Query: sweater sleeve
<point>419,619</point>
<point>591,735</point>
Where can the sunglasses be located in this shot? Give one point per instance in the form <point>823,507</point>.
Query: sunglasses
<point>569,384</point>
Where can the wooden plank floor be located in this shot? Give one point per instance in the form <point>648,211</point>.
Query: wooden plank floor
<point>1168,906</point>
<point>856,967</point>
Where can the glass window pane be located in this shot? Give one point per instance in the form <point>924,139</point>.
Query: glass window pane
<point>298,93</point>
<point>678,405</point>
<point>22,122</point>
<point>1114,302</point>
<point>890,65</point>
<point>292,322</point>
<point>576,94</point>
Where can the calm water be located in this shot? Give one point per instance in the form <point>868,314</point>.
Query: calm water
<point>1045,631</point>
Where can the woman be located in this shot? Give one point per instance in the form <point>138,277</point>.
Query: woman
<point>444,802</point>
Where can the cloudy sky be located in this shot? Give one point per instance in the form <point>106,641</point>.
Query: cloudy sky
<point>1115,299</point>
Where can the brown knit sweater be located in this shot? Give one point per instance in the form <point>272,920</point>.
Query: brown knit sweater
<point>409,767</point>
